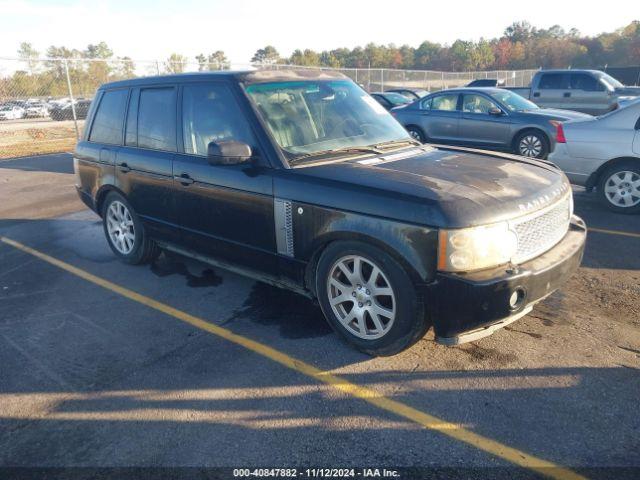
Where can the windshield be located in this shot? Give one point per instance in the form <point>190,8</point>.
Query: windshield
<point>610,81</point>
<point>312,117</point>
<point>513,101</point>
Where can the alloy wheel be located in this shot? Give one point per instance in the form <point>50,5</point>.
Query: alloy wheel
<point>120,227</point>
<point>361,297</point>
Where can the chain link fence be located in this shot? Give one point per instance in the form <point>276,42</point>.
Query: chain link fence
<point>44,102</point>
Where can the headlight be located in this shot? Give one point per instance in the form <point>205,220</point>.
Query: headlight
<point>474,248</point>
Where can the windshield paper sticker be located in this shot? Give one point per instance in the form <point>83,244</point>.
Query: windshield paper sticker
<point>375,106</point>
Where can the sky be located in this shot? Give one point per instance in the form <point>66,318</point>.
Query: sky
<point>153,29</point>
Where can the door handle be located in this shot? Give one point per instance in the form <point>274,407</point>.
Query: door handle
<point>567,94</point>
<point>184,179</point>
<point>536,94</point>
<point>124,168</point>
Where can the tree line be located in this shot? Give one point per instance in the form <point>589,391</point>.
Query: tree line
<point>521,46</point>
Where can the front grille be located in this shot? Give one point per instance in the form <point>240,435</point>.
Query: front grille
<point>537,233</point>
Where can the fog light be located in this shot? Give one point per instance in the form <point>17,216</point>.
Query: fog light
<point>517,297</point>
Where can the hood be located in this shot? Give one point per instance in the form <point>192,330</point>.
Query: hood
<point>630,91</point>
<point>446,187</point>
<point>557,114</point>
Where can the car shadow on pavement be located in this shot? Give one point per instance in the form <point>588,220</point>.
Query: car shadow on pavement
<point>88,377</point>
<point>575,417</point>
<point>52,163</point>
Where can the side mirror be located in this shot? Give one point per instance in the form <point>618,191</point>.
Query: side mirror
<point>495,111</point>
<point>228,152</point>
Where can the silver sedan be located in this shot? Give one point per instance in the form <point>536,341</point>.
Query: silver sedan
<point>604,153</point>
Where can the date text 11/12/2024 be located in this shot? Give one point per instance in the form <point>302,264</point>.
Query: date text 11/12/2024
<point>316,472</point>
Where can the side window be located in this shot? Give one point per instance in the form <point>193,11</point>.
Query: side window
<point>426,104</point>
<point>211,114</point>
<point>553,81</point>
<point>446,103</point>
<point>157,119</point>
<point>477,104</point>
<point>582,81</point>
<point>107,124</point>
<point>131,132</point>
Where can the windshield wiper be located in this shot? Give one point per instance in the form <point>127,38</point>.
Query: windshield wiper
<point>336,151</point>
<point>394,143</point>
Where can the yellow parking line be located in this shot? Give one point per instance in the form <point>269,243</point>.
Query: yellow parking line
<point>614,232</point>
<point>426,420</point>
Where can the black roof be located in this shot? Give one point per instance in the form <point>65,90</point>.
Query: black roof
<point>245,76</point>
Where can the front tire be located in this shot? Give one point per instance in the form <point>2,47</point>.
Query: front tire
<point>369,299</point>
<point>125,232</point>
<point>619,187</point>
<point>532,143</point>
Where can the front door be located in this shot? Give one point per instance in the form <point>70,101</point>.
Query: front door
<point>223,211</point>
<point>480,123</point>
<point>588,94</point>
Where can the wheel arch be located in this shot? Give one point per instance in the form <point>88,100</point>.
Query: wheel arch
<point>101,195</point>
<point>594,178</point>
<point>419,267</point>
<point>529,128</point>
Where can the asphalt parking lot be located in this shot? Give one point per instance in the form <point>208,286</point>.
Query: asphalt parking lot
<point>179,364</point>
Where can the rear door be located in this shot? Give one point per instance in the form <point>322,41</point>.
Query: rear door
<point>95,158</point>
<point>224,211</point>
<point>552,91</point>
<point>440,117</point>
<point>478,126</point>
<point>144,165</point>
<point>588,94</point>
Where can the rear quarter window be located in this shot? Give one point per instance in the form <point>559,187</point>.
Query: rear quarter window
<point>107,124</point>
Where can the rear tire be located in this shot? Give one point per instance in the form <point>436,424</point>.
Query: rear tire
<point>619,187</point>
<point>376,307</point>
<point>417,133</point>
<point>532,143</point>
<point>125,232</point>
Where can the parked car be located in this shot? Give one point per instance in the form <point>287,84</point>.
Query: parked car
<point>604,153</point>
<point>486,82</point>
<point>301,180</point>
<point>588,91</point>
<point>411,93</point>
<point>64,112</point>
<point>390,100</point>
<point>35,110</point>
<point>11,112</point>
<point>491,118</point>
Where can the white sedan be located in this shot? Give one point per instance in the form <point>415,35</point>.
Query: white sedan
<point>11,112</point>
<point>37,110</point>
<point>604,153</point>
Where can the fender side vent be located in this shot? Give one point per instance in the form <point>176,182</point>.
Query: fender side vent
<point>284,226</point>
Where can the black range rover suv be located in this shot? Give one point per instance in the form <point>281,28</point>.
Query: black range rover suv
<point>302,180</point>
